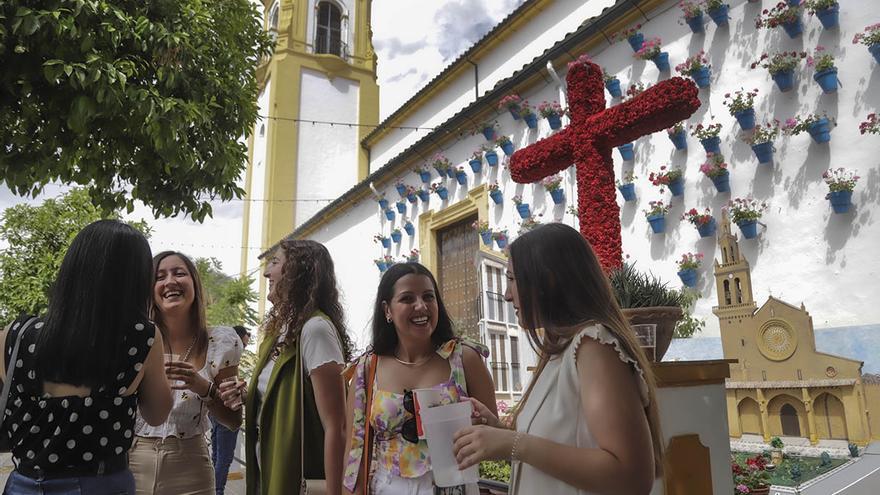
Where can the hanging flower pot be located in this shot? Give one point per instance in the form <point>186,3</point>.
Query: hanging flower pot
<point>875,51</point>
<point>749,228</point>
<point>820,130</point>
<point>461,177</point>
<point>679,139</point>
<point>440,190</point>
<point>722,182</point>
<point>501,241</point>
<point>658,223</point>
<point>746,119</point>
<point>794,3</point>
<point>411,197</point>
<point>661,61</point>
<point>497,196</point>
<point>531,120</point>
<point>829,17</point>
<point>401,189</point>
<point>425,175</point>
<point>476,165</point>
<point>720,15</point>
<point>628,191</point>
<point>688,277</point>
<point>523,210</point>
<point>635,41</point>
<point>383,203</point>
<point>382,266</point>
<point>840,201</point>
<point>827,80</point>
<point>555,121</point>
<point>676,187</point>
<point>702,77</point>
<point>386,242</point>
<point>626,152</point>
<point>707,229</point>
<point>613,86</point>
<point>423,195</point>
<point>486,238</point>
<point>695,23</point>
<point>558,196</point>
<point>491,158</point>
<point>763,152</point>
<point>396,236</point>
<point>488,132</point>
<point>712,144</point>
<point>793,28</point>
<point>841,183</point>
<point>507,148</point>
<point>389,215</point>
<point>401,207</point>
<point>784,80</point>
<point>409,229</point>
<point>704,222</point>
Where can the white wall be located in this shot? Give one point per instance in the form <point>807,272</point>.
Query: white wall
<point>257,190</point>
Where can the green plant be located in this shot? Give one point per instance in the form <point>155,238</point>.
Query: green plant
<point>635,289</point>
<point>440,162</point>
<point>740,100</point>
<point>546,109</point>
<point>797,124</point>
<point>656,208</point>
<point>607,75</point>
<point>690,261</point>
<point>690,8</point>
<point>821,60</point>
<point>782,13</point>
<point>779,62</point>
<point>702,132</point>
<point>714,4</point>
<point>495,470</point>
<point>649,50</point>
<point>714,166</point>
<point>634,90</point>
<point>693,64</point>
<point>870,36</point>
<point>627,178</point>
<point>840,179</point>
<point>814,6</point>
<point>551,182</point>
<point>501,140</point>
<point>626,33</point>
<point>853,450</point>
<point>764,133</point>
<point>776,443</point>
<point>688,325</point>
<point>481,226</point>
<point>676,128</point>
<point>665,176</point>
<point>743,210</point>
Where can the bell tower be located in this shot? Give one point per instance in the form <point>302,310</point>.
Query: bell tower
<point>318,100</point>
<point>733,281</point>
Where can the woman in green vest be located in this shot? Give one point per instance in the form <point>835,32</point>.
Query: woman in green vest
<point>296,398</point>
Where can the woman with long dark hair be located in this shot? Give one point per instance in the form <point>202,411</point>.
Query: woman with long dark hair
<point>173,458</point>
<point>83,370</point>
<point>588,422</point>
<point>296,398</point>
<point>414,346</point>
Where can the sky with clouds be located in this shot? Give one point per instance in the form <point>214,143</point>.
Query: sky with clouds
<point>414,41</point>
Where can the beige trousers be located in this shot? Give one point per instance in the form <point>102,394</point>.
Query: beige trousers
<point>171,466</point>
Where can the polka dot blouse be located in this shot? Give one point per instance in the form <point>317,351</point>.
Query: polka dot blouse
<point>56,433</point>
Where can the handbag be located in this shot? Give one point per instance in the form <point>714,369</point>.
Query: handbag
<point>5,444</point>
<point>308,487</point>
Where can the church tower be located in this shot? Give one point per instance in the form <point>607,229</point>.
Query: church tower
<point>318,101</point>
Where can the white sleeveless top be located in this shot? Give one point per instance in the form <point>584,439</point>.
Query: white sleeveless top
<point>554,412</point>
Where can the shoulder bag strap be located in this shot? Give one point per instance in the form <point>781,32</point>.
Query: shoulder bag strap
<point>10,368</point>
<point>367,454</point>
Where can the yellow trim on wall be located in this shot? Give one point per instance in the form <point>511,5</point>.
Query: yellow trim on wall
<point>476,201</point>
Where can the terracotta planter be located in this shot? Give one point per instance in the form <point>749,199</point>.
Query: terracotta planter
<point>665,317</point>
<point>760,491</point>
<point>776,456</point>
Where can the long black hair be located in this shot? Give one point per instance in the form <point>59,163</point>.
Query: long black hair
<point>384,335</point>
<point>102,291</point>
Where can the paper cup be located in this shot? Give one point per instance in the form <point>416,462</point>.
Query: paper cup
<point>441,423</point>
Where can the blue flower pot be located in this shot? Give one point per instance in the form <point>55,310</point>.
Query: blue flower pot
<point>676,187</point>
<point>636,40</point>
<point>712,145</point>
<point>401,189</point>
<point>382,267</point>
<point>793,29</point>
<point>626,152</point>
<point>722,182</point>
<point>661,61</point>
<point>425,176</point>
<point>719,16</point>
<point>443,193</point>
<point>613,87</point>
<point>502,243</point>
<point>386,242</point>
<point>658,223</point>
<point>749,228</point>
<point>679,140</point>
<point>523,210</point>
<point>383,203</point>
<point>784,80</point>
<point>531,121</point>
<point>488,133</point>
<point>827,80</point>
<point>389,214</point>
<point>688,277</point>
<point>441,172</point>
<point>558,196</point>
<point>486,237</point>
<point>555,121</point>
<point>707,229</point>
<point>461,178</point>
<point>763,151</point>
<point>794,3</point>
<point>409,229</point>
<point>476,165</point>
<point>829,17</point>
<point>401,207</point>
<point>875,51</point>
<point>514,112</point>
<point>497,196</point>
<point>696,23</point>
<point>746,119</point>
<point>411,198</point>
<point>396,236</point>
<point>507,148</point>
<point>840,201</point>
<point>491,158</point>
<point>820,131</point>
<point>628,191</point>
<point>702,77</point>
<point>424,195</point>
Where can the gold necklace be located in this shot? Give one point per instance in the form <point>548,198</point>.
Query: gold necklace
<point>413,363</point>
<point>188,350</point>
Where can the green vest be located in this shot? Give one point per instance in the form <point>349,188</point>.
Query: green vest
<point>279,432</point>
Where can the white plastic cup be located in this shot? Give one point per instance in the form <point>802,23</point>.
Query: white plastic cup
<point>428,397</point>
<point>441,423</point>
<point>173,358</point>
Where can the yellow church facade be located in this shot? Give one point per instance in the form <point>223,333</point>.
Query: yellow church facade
<point>780,385</point>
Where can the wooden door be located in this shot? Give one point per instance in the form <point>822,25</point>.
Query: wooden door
<point>457,252</point>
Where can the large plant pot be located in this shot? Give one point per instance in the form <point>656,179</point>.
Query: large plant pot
<point>613,87</point>
<point>665,317</point>
<point>827,80</point>
<point>793,29</point>
<point>661,61</point>
<point>720,15</point>
<point>702,77</point>
<point>679,140</point>
<point>829,17</point>
<point>555,121</point>
<point>784,80</point>
<point>746,119</point>
<point>820,130</point>
<point>695,23</point>
<point>635,41</point>
<point>760,491</point>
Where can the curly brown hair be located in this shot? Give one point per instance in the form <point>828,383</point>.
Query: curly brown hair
<point>307,285</point>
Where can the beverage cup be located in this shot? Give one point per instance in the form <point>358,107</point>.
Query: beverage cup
<point>427,397</point>
<point>236,383</point>
<point>441,423</point>
<point>173,358</point>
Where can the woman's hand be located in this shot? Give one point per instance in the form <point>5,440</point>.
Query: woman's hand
<point>183,376</point>
<point>232,393</point>
<point>480,443</point>
<point>483,416</point>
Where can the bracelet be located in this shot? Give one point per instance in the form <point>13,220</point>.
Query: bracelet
<point>514,454</point>
<point>208,397</point>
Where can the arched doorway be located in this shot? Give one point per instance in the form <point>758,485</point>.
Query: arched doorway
<point>749,417</point>
<point>830,417</point>
<point>789,418</point>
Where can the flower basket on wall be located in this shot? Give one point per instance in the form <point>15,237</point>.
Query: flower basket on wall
<point>626,152</point>
<point>476,165</point>
<point>762,139</point>
<point>553,185</point>
<point>632,35</point>
<point>741,104</point>
<point>627,186</point>
<point>870,37</point>
<point>440,190</point>
<point>841,183</point>
<point>828,12</point>
<point>522,208</point>
<point>460,176</point>
<point>817,126</point>
<point>396,236</point>
<point>504,143</point>
<point>708,136</point>
<point>500,239</point>
<point>697,67</point>
<point>781,67</point>
<point>389,214</point>
<point>786,16</point>
<point>716,169</point>
<point>423,195</point>
<point>409,228</point>
<point>491,157</point>
<point>612,84</point>
<point>826,72</point>
<point>401,207</point>
<point>745,212</point>
<point>704,222</point>
<point>495,193</point>
<point>650,50</point>
<point>693,14</point>
<point>718,11</point>
<point>656,216</point>
<point>553,112</point>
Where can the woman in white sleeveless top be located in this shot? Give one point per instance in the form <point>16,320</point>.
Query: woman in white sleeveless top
<point>588,421</point>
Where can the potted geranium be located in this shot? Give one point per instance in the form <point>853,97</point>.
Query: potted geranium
<point>490,155</point>
<point>698,68</point>
<point>716,169</point>
<point>612,84</point>
<point>441,164</point>
<point>396,235</point>
<point>408,227</point>
<point>634,89</point>
<point>708,136</point>
<point>383,203</point>
<point>687,268</point>
<point>841,183</point>
<point>439,189</point>
<point>500,238</point>
<point>424,172</point>
<point>381,239</point>
<point>718,11</point>
<point>818,126</point>
<point>745,212</point>
<point>476,161</point>
<point>870,37</point>
<point>627,187</point>
<point>704,222</point>
<point>627,152</point>
<point>785,15</point>
<point>650,50</point>
<point>656,215</point>
<point>762,139</point>
<point>826,72</point>
<point>522,208</point>
<point>671,178</point>
<point>512,104</point>
<point>460,176</point>
<point>413,256</point>
<point>528,224</point>
<point>553,112</point>
<point>389,214</point>
<point>632,35</point>
<point>401,206</point>
<point>871,125</point>
<point>752,479</point>
<point>482,227</point>
<point>495,193</point>
<point>553,185</point>
<point>678,136</point>
<point>741,104</point>
<point>528,115</point>
<point>380,264</point>
<point>776,445</point>
<point>781,67</point>
<point>423,194</point>
<point>828,12</point>
<point>400,186</point>
<point>504,143</point>
<point>487,129</point>
<point>411,194</point>
<point>693,14</point>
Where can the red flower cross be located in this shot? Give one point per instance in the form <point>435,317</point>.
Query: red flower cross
<point>587,142</point>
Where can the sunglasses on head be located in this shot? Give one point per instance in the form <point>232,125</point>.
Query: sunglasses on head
<point>409,431</point>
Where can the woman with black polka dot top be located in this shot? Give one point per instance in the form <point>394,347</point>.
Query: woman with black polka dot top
<point>173,458</point>
<point>85,370</point>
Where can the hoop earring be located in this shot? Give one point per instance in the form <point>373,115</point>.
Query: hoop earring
<point>388,319</point>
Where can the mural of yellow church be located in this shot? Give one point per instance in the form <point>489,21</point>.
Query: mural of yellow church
<point>780,385</point>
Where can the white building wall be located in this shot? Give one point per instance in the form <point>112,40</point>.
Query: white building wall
<point>257,190</point>
<point>327,156</point>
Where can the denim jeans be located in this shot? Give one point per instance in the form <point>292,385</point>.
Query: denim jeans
<point>223,442</point>
<point>118,483</point>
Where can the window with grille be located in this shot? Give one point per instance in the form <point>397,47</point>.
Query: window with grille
<point>494,295</point>
<point>328,36</point>
<point>498,355</point>
<point>274,14</point>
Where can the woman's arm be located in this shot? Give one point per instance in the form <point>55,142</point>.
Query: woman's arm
<point>225,415</point>
<point>479,382</point>
<point>154,393</point>
<point>330,398</point>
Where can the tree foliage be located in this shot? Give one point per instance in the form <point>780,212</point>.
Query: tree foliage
<point>227,299</point>
<point>38,238</point>
<point>133,99</point>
